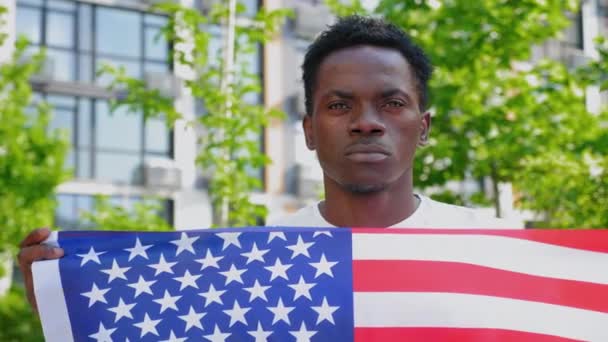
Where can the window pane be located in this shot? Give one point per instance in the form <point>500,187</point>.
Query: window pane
<point>30,2</point>
<point>85,37</point>
<point>63,64</point>
<point>85,68</point>
<point>156,20</point>
<point>156,67</point>
<point>156,45</point>
<point>63,119</point>
<point>60,29</point>
<point>84,203</point>
<point>118,131</point>
<point>28,23</point>
<point>251,7</point>
<point>115,167</point>
<point>132,68</point>
<point>157,136</point>
<point>68,102</point>
<point>64,212</point>
<point>84,164</point>
<point>84,123</point>
<point>118,32</point>
<point>61,5</point>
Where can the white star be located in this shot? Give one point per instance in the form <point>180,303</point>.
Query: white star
<point>302,289</point>
<point>303,335</point>
<point>212,295</point>
<point>187,280</point>
<point>217,336</point>
<point>255,254</point>
<point>184,243</point>
<point>193,319</point>
<point>321,232</point>
<point>230,239</point>
<point>116,272</point>
<point>138,249</point>
<point>325,312</point>
<point>323,266</point>
<point>274,235</point>
<point>90,256</point>
<point>233,274</point>
<point>96,295</point>
<point>172,338</point>
<point>162,266</point>
<point>237,314</point>
<point>260,335</point>
<point>257,291</point>
<point>167,302</point>
<point>148,326</point>
<point>103,334</point>
<point>281,312</point>
<point>278,270</point>
<point>209,261</point>
<point>142,286</point>
<point>300,248</point>
<point>122,310</point>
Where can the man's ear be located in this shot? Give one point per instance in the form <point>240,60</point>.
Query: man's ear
<point>308,133</point>
<point>425,129</point>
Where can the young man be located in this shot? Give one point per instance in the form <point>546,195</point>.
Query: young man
<point>365,83</point>
<point>366,95</point>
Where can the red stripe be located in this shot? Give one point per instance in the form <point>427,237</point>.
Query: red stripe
<point>450,335</point>
<point>592,240</point>
<point>453,277</point>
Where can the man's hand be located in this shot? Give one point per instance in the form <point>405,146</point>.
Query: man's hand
<point>32,250</point>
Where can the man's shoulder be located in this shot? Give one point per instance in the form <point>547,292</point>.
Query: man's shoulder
<point>307,216</point>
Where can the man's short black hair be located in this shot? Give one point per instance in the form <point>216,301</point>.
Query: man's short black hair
<point>358,30</point>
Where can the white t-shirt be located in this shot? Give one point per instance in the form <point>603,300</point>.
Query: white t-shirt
<point>429,214</point>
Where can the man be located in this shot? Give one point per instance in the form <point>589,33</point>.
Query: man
<point>366,96</point>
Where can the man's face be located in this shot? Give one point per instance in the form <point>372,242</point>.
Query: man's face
<point>366,121</point>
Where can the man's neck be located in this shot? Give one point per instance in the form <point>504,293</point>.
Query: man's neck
<point>385,208</point>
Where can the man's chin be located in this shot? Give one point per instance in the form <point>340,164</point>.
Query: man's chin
<point>365,189</point>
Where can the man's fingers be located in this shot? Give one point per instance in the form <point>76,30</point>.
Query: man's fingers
<point>30,254</point>
<point>35,237</point>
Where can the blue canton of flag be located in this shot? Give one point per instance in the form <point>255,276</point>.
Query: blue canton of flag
<point>254,284</point>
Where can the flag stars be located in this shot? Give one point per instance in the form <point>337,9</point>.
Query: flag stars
<point>167,302</point>
<point>325,312</point>
<point>103,334</point>
<point>142,286</point>
<point>276,235</point>
<point>138,250</point>
<point>193,319</point>
<point>96,295</point>
<point>278,270</point>
<point>281,312</point>
<point>187,280</point>
<point>257,291</point>
<point>116,272</point>
<point>163,266</point>
<point>90,256</point>
<point>303,335</point>
<point>230,239</point>
<point>209,261</point>
<point>148,326</point>
<point>321,232</point>
<point>122,310</point>
<point>172,338</point>
<point>260,335</point>
<point>184,244</point>
<point>213,296</point>
<point>237,314</point>
<point>255,254</point>
<point>217,336</point>
<point>300,248</point>
<point>302,289</point>
<point>233,274</point>
<point>323,266</point>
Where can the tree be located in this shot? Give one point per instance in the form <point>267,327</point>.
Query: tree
<point>31,156</point>
<point>229,150</point>
<point>492,110</point>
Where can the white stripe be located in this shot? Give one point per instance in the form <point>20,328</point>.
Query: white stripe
<point>516,255</point>
<point>52,307</point>
<point>397,309</point>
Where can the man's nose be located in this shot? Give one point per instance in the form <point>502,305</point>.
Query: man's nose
<point>367,121</point>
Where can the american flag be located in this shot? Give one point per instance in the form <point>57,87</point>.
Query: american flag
<point>308,284</point>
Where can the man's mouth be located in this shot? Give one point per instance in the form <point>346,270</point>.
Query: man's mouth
<point>363,153</point>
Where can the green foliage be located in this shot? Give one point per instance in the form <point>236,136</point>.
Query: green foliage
<point>31,157</point>
<point>496,117</point>
<point>230,150</point>
<point>17,321</point>
<point>143,217</point>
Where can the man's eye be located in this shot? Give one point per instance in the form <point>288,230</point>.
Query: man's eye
<point>394,103</point>
<point>338,105</point>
